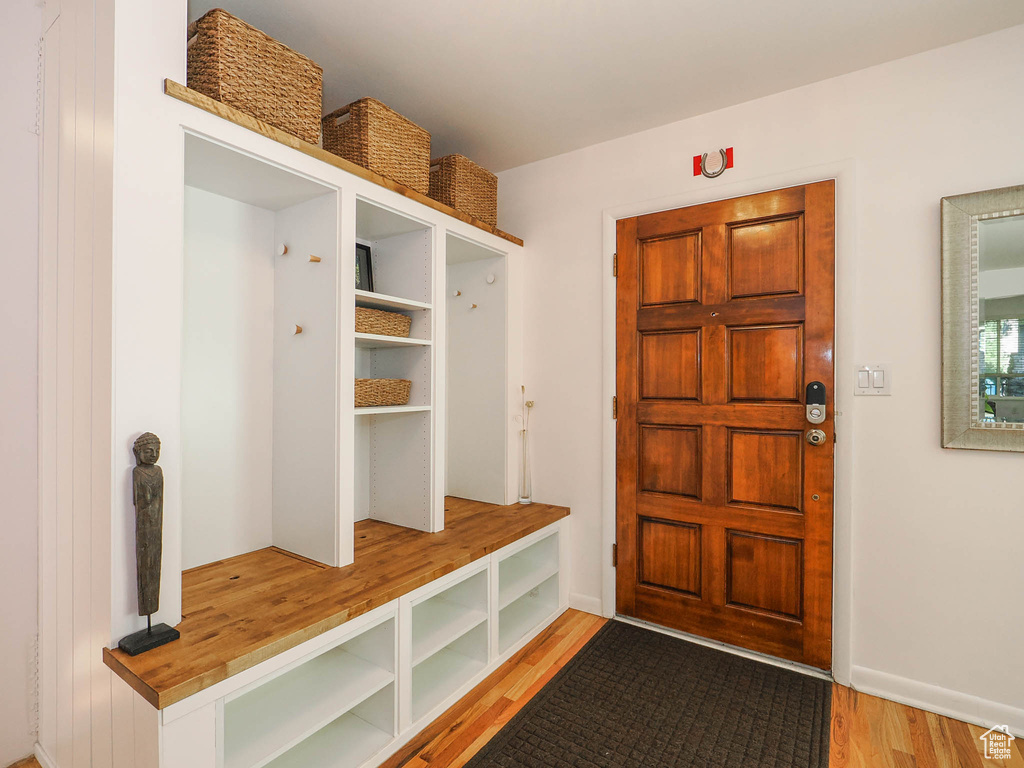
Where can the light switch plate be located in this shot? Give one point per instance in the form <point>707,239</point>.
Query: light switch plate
<point>870,373</point>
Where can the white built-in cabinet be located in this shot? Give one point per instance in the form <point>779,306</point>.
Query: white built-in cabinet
<point>355,694</point>
<point>272,450</point>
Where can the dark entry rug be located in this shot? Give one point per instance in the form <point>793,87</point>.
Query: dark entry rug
<point>633,697</point>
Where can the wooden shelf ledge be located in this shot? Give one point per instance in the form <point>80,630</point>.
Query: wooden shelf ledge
<point>196,99</point>
<point>244,610</point>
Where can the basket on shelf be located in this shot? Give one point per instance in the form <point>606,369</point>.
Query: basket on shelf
<point>381,392</point>
<point>234,63</point>
<point>382,323</point>
<point>460,183</point>
<point>371,134</point>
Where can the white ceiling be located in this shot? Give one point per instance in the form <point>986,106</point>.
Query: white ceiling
<point>511,82</point>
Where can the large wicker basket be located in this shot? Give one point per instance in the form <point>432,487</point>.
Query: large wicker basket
<point>372,135</point>
<point>382,323</point>
<point>382,392</point>
<point>465,186</point>
<point>236,64</point>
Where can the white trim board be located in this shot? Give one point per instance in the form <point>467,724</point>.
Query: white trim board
<point>933,698</point>
<point>845,175</point>
<point>731,649</point>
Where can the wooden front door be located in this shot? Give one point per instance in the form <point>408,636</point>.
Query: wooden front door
<point>724,509</point>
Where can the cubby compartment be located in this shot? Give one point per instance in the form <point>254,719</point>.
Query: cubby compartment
<point>341,693</point>
<point>259,362</point>
<point>527,590</point>
<point>350,740</point>
<point>477,411</point>
<point>447,616</point>
<point>442,673</point>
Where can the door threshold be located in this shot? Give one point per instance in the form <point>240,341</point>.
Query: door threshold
<point>803,669</point>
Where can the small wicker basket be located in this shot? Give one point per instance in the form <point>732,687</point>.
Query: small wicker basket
<point>370,134</point>
<point>382,392</point>
<point>236,64</point>
<point>382,323</point>
<point>460,183</point>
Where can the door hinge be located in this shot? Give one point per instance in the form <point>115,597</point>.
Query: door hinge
<point>615,265</point>
<point>615,407</point>
<point>615,555</point>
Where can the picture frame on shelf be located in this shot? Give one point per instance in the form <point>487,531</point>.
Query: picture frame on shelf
<point>364,268</point>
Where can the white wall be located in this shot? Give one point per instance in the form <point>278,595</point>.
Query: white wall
<point>227,378</point>
<point>936,535</point>
<point>20,29</point>
<point>476,381</point>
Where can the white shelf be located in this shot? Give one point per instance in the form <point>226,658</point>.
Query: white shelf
<point>373,410</point>
<point>376,341</point>
<point>346,743</point>
<point>437,622</point>
<point>372,300</point>
<point>269,720</point>
<point>526,613</point>
<point>518,576</point>
<point>435,679</point>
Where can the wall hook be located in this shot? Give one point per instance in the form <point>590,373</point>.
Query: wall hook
<point>456,293</point>
<point>282,249</point>
<point>490,279</point>
<point>298,329</point>
<point>473,307</point>
<point>314,259</point>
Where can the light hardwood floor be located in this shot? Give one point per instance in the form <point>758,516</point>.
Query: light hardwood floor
<point>28,762</point>
<point>867,732</point>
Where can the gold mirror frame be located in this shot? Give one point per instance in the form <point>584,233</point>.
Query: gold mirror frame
<point>961,427</point>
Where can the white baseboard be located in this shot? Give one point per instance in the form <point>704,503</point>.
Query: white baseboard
<point>942,701</point>
<point>585,603</point>
<point>43,758</point>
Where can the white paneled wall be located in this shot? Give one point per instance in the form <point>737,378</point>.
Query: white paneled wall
<point>20,30</point>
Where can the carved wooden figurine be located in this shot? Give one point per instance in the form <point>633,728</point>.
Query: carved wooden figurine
<point>148,497</point>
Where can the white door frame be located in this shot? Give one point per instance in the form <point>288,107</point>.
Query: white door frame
<point>844,173</point>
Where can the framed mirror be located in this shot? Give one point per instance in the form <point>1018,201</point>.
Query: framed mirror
<point>983,320</point>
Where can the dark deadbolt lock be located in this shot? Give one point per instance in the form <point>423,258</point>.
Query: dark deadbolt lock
<point>815,402</point>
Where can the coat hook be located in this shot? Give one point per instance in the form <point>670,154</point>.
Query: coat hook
<point>298,329</point>
<point>456,293</point>
<point>282,249</point>
<point>314,259</point>
<point>473,307</point>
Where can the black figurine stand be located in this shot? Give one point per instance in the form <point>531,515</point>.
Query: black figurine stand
<point>147,639</point>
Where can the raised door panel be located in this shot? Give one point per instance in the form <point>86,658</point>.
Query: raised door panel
<point>670,270</point>
<point>764,573</point>
<point>670,555</point>
<point>670,460</point>
<point>766,258</point>
<point>670,365</point>
<point>765,363</point>
<point>765,468</point>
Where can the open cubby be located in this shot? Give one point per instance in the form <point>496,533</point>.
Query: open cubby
<point>521,572</point>
<point>350,740</point>
<point>259,401</point>
<point>445,671</point>
<point>524,614</point>
<point>278,716</point>
<point>447,616</point>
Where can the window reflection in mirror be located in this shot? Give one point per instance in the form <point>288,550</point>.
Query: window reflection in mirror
<point>1001,319</point>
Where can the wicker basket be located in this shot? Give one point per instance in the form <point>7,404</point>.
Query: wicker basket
<point>236,64</point>
<point>462,184</point>
<point>382,323</point>
<point>380,392</point>
<point>372,135</point>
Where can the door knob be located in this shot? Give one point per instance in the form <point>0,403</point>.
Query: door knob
<point>815,436</point>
